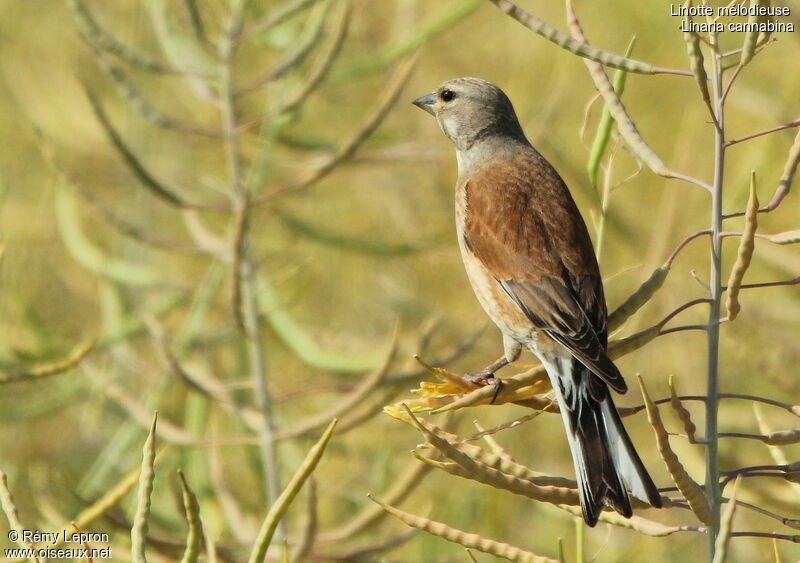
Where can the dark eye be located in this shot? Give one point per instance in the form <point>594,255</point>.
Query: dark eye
<point>447,95</point>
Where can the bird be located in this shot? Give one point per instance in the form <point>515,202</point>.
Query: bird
<point>530,260</point>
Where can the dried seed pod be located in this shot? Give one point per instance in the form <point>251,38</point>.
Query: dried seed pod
<point>783,437</point>
<point>764,36</point>
<point>109,500</point>
<point>726,526</point>
<point>627,129</point>
<point>519,387</point>
<point>786,237</point>
<point>484,474</point>
<point>751,36</point>
<point>495,461</point>
<point>785,183</point>
<point>472,541</point>
<point>696,59</point>
<point>576,45</point>
<point>403,486</point>
<point>11,512</point>
<point>745,253</point>
<point>146,478</point>
<point>691,490</point>
<point>506,482</point>
<point>194,538</point>
<point>281,504</point>
<point>636,523</point>
<point>638,298</point>
<point>683,414</point>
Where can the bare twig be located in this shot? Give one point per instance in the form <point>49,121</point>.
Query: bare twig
<point>350,146</point>
<point>795,123</point>
<point>578,45</point>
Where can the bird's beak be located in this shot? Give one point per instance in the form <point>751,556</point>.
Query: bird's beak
<point>426,102</point>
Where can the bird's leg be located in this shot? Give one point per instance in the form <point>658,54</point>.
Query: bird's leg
<point>486,376</point>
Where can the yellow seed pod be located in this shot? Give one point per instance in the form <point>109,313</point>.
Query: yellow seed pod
<point>786,237</point>
<point>482,473</point>
<point>683,414</point>
<point>692,491</point>
<point>636,523</point>
<point>785,183</point>
<point>471,541</point>
<point>745,253</point>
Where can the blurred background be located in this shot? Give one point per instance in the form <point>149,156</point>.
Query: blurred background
<point>349,232</point>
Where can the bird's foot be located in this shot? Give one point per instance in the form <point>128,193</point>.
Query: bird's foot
<point>486,377</point>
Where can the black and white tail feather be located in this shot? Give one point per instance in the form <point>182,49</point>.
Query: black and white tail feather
<point>604,456</point>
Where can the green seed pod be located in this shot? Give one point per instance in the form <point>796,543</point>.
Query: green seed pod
<point>638,298</point>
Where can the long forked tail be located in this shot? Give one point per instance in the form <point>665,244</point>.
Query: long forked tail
<point>604,456</point>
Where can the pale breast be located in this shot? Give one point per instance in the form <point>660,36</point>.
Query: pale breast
<point>506,314</point>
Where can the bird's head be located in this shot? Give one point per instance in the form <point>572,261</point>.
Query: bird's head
<point>470,110</point>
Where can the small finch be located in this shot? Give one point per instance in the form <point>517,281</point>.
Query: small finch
<point>530,261</point>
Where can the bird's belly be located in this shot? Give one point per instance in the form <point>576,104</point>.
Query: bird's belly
<point>506,314</point>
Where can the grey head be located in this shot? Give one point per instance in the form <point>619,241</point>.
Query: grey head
<point>472,111</point>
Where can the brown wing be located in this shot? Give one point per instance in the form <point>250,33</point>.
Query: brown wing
<point>523,225</point>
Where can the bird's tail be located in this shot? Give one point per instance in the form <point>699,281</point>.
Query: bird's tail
<point>604,456</point>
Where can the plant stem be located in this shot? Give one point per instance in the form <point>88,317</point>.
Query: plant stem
<point>245,274</point>
<point>601,228</point>
<point>579,557</point>
<point>715,283</point>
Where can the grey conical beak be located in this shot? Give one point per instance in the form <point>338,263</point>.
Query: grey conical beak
<point>427,103</point>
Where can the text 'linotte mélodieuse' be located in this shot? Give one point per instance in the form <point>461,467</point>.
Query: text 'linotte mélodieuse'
<point>758,18</point>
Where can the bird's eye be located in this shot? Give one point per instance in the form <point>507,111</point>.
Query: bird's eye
<point>447,95</point>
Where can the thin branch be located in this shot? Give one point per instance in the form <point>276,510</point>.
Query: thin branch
<point>292,59</point>
<point>794,281</point>
<point>759,437</point>
<point>682,328</point>
<point>157,188</point>
<point>704,232</point>
<point>795,123</point>
<point>279,15</point>
<point>244,271</point>
<point>794,409</point>
<point>578,46</point>
<point>316,75</point>
<point>786,537</point>
<point>682,308</point>
<point>784,184</point>
<point>135,98</point>
<point>625,125</point>
<point>121,224</point>
<point>350,146</point>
